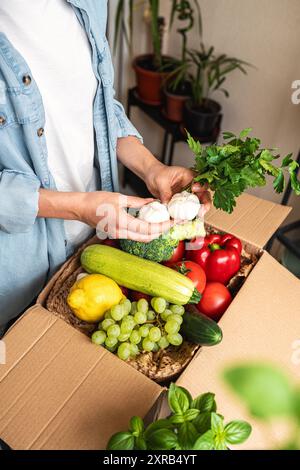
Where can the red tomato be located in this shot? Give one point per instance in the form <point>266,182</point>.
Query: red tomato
<point>124,291</point>
<point>178,254</point>
<point>136,296</point>
<point>194,272</point>
<point>215,300</point>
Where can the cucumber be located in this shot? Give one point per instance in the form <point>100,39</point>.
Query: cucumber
<point>200,329</point>
<point>139,274</point>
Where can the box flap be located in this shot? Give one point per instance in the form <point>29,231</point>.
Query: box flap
<point>262,324</point>
<point>253,219</point>
<point>59,391</point>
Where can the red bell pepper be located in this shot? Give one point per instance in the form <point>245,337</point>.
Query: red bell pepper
<point>220,257</point>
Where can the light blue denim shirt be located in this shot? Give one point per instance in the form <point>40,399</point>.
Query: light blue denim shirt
<point>32,248</point>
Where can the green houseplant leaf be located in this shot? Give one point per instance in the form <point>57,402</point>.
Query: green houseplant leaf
<point>121,441</point>
<point>237,432</point>
<point>179,400</point>
<point>205,442</point>
<point>205,402</point>
<point>265,389</point>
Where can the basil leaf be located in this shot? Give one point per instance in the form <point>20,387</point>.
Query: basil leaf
<point>205,442</point>
<point>179,400</point>
<point>203,422</point>
<point>265,389</point>
<point>162,439</point>
<point>217,423</point>
<point>237,432</point>
<point>121,441</point>
<point>136,425</point>
<point>140,443</point>
<point>160,424</point>
<point>191,414</point>
<point>205,402</point>
<point>187,435</point>
<point>177,418</point>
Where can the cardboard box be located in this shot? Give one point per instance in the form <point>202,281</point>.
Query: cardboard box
<point>59,391</point>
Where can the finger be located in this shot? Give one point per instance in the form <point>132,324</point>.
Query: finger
<point>138,237</point>
<point>198,188</point>
<point>165,196</point>
<point>140,226</point>
<point>205,199</point>
<point>136,202</point>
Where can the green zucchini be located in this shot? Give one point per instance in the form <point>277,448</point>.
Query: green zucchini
<point>139,274</point>
<point>200,329</point>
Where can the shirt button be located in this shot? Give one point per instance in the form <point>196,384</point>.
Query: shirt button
<point>40,132</point>
<point>2,120</point>
<point>27,80</point>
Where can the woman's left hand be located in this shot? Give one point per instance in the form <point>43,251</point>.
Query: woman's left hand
<point>164,181</point>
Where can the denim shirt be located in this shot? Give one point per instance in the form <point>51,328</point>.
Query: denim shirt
<point>31,248</point>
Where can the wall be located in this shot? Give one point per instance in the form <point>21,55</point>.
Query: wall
<point>262,32</point>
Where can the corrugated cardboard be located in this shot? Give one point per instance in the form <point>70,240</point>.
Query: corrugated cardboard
<point>261,324</point>
<point>253,219</point>
<point>60,391</point>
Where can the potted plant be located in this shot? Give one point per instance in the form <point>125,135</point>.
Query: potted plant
<point>151,69</point>
<point>207,73</point>
<point>178,87</point>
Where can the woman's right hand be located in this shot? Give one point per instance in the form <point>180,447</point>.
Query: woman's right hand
<point>107,212</point>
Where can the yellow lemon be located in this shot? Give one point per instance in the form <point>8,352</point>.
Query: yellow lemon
<point>91,296</point>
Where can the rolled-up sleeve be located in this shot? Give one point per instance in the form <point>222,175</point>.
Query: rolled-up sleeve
<point>19,198</point>
<point>125,126</point>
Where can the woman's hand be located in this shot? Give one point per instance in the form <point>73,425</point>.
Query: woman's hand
<point>107,212</point>
<point>102,210</point>
<point>164,181</point>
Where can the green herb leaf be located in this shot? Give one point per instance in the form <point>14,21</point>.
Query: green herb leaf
<point>177,418</point>
<point>237,432</point>
<point>121,441</point>
<point>205,442</point>
<point>159,424</point>
<point>264,389</point>
<point>203,422</point>
<point>136,426</point>
<point>217,423</point>
<point>162,439</point>
<point>191,414</point>
<point>205,402</point>
<point>179,399</point>
<point>140,443</point>
<point>187,435</point>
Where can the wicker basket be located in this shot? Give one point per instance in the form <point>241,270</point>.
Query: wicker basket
<point>160,366</point>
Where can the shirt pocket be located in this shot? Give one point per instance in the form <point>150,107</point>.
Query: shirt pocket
<point>15,106</point>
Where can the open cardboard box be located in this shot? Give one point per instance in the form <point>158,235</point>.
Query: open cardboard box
<point>59,391</point>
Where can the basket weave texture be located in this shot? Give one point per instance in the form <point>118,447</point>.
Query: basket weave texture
<point>161,366</point>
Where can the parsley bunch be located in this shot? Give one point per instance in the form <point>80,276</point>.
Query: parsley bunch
<point>238,164</point>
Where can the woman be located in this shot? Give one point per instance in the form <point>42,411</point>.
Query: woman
<point>61,134</point>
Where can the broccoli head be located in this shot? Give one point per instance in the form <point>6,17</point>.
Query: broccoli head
<point>161,249</point>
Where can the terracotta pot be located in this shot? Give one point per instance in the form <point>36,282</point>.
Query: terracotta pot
<point>174,104</point>
<point>149,82</point>
<point>202,121</point>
